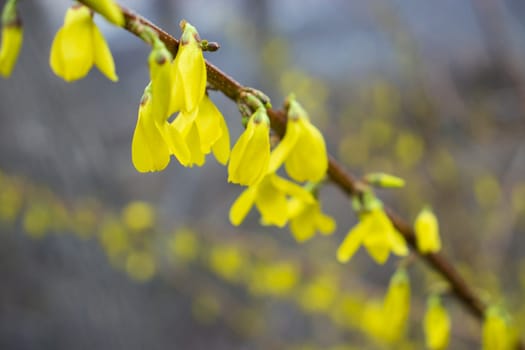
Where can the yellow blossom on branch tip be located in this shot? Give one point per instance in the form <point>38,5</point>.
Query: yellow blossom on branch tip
<point>436,324</point>
<point>302,149</point>
<point>78,45</point>
<point>270,197</point>
<point>496,332</point>
<point>377,234</point>
<point>250,156</point>
<point>189,69</point>
<point>427,232</point>
<point>12,37</point>
<point>109,9</point>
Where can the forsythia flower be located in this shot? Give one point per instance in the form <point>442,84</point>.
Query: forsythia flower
<point>436,324</point>
<point>251,154</point>
<point>204,130</point>
<point>396,306</point>
<point>302,148</point>
<point>427,232</point>
<point>78,45</point>
<point>152,145</point>
<point>377,234</point>
<point>12,37</point>
<point>497,334</point>
<point>189,69</point>
<point>306,218</point>
<point>109,9</point>
<point>269,196</point>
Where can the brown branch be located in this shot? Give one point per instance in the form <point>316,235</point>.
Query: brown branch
<point>344,180</point>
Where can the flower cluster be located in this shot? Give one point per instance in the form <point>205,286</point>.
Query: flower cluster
<point>178,86</point>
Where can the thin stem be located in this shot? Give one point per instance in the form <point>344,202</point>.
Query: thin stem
<point>346,182</point>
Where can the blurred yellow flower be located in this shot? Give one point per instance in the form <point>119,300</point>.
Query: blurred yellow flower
<point>496,333</point>
<point>427,232</point>
<point>436,324</point>
<point>396,306</point>
<point>12,37</point>
<point>189,69</point>
<point>307,218</point>
<point>270,197</point>
<point>138,216</point>
<point>251,154</point>
<point>78,45</point>
<point>109,9</point>
<point>376,232</point>
<point>302,149</point>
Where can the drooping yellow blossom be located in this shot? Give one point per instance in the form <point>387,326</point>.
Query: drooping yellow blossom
<point>302,148</point>
<point>496,332</point>
<point>427,232</point>
<point>307,218</point>
<point>204,130</point>
<point>436,324</point>
<point>189,69</point>
<point>251,154</point>
<point>152,144</point>
<point>12,37</point>
<point>376,232</point>
<point>396,306</point>
<point>109,9</point>
<point>159,62</point>
<point>270,197</point>
<point>78,45</point>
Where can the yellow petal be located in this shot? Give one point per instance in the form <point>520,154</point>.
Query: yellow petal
<point>303,226</point>
<point>351,243</point>
<point>398,243</point>
<point>75,45</point>
<point>161,83</point>
<point>291,189</point>
<point>251,154</point>
<point>221,148</point>
<point>242,205</point>
<point>149,152</point>
<point>102,55</point>
<point>56,61</point>
<point>308,161</point>
<point>176,144</point>
<point>109,9</point>
<point>190,70</point>
<point>208,120</point>
<point>12,37</point>
<point>396,306</point>
<point>281,152</point>
<point>271,203</point>
<point>325,224</point>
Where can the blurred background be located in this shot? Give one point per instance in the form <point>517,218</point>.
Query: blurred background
<point>96,255</point>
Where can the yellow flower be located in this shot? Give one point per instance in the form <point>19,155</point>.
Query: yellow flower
<point>189,69</point>
<point>204,130</point>
<point>396,306</point>
<point>78,45</point>
<point>109,9</point>
<point>436,324</point>
<point>12,37</point>
<point>497,334</point>
<point>270,197</point>
<point>152,144</point>
<point>427,232</point>
<point>302,148</point>
<point>376,232</point>
<point>251,154</point>
<point>159,62</point>
<point>306,218</point>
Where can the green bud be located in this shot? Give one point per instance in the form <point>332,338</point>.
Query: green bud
<point>384,180</point>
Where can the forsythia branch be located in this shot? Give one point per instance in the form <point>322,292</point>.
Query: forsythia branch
<point>346,182</point>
